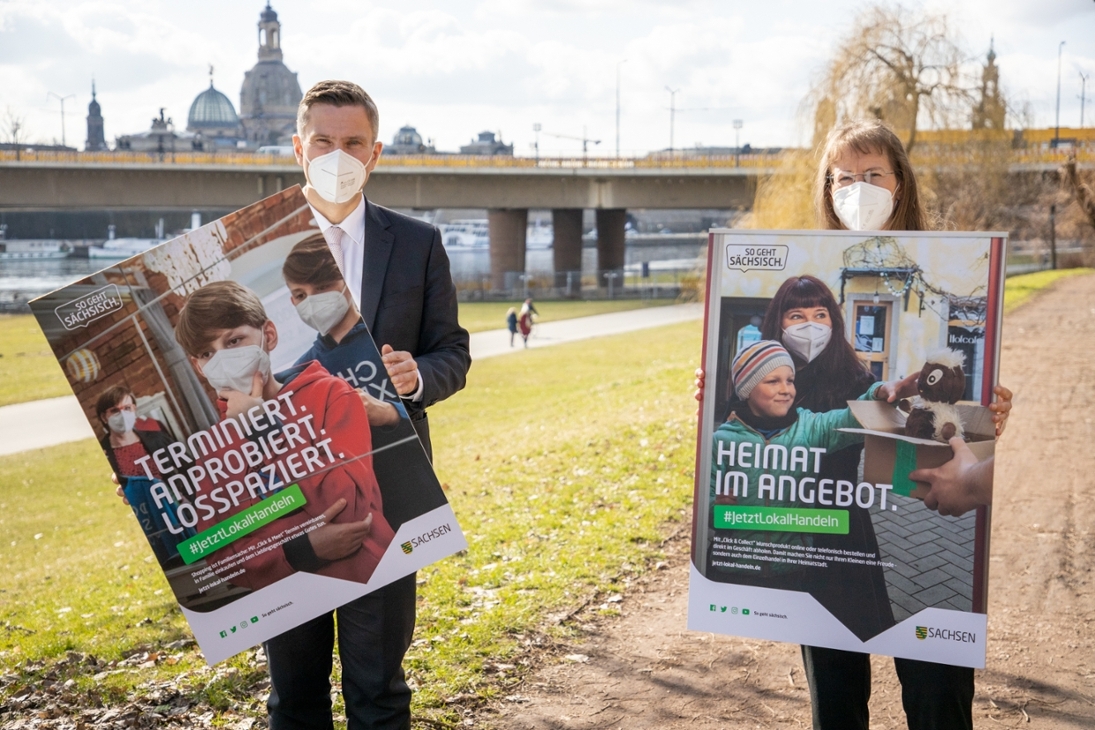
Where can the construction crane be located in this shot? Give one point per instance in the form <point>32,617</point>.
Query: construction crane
<point>584,139</point>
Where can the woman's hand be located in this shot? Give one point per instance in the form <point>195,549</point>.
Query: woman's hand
<point>897,389</point>
<point>698,383</point>
<point>118,487</point>
<point>1001,408</point>
<point>334,542</point>
<point>960,485</point>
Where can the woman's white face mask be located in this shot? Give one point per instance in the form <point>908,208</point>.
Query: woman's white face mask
<point>323,311</point>
<point>122,422</point>
<point>807,340</point>
<point>235,368</point>
<point>862,206</point>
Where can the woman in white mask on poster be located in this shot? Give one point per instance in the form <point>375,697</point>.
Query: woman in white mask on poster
<point>864,182</point>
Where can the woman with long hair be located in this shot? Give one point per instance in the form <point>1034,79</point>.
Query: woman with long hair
<point>864,182</point>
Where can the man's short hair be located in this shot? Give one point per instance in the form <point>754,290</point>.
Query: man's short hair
<point>111,397</point>
<point>311,262</point>
<point>338,93</point>
<point>218,306</point>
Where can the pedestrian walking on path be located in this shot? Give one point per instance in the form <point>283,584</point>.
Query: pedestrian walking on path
<point>524,320</point>
<point>511,324</point>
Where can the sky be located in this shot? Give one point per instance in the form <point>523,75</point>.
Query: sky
<point>453,69</point>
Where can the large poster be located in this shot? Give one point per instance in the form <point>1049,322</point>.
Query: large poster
<point>807,527</point>
<point>244,407</point>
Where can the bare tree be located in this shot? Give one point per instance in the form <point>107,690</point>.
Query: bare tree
<point>900,65</point>
<point>13,128</point>
<point>1082,192</point>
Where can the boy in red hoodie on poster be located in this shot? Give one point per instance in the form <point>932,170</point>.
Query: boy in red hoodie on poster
<point>313,431</point>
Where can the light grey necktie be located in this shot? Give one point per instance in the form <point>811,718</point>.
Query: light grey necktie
<point>334,241</point>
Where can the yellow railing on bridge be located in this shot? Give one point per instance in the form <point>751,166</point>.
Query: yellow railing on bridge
<point>933,155</point>
<point>243,159</point>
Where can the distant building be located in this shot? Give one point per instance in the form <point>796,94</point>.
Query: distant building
<point>96,141</point>
<point>270,93</point>
<point>487,144</point>
<point>213,121</point>
<point>990,112</point>
<point>704,151</point>
<point>408,141</point>
<point>161,137</point>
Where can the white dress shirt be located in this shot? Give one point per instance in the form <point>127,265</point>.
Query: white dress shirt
<point>353,261</point>
<point>353,246</point>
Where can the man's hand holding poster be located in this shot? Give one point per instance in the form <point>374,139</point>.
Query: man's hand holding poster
<point>845,455</point>
<point>251,423</point>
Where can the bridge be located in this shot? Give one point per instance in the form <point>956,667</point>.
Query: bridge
<point>507,186</point>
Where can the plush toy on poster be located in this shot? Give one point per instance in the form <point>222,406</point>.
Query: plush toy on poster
<point>942,382</point>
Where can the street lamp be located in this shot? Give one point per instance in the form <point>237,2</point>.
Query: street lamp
<point>1083,95</point>
<point>536,128</point>
<point>618,64</point>
<point>1057,134</point>
<point>737,142</point>
<point>62,100</point>
<point>672,112</point>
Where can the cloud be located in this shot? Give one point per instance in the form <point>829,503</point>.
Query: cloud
<point>456,67</point>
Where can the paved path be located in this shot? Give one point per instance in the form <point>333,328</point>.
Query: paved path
<point>496,342</point>
<point>42,423</point>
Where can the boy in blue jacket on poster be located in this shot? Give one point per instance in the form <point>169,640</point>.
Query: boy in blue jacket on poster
<point>764,454</point>
<point>344,347</point>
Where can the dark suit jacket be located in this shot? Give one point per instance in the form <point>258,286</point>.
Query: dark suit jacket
<point>408,301</point>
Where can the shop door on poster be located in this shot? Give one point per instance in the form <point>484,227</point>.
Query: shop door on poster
<point>871,337</point>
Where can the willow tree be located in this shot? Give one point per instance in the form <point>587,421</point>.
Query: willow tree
<point>902,66</point>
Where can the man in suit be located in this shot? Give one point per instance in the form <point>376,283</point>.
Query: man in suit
<point>398,273</point>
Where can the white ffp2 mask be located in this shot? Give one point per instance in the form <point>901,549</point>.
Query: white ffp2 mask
<point>122,422</point>
<point>863,207</point>
<point>336,176</point>
<point>235,368</point>
<point>807,340</point>
<point>323,311</point>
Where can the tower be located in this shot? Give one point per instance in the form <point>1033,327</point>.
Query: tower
<point>96,141</point>
<point>269,35</point>
<point>990,112</point>
<point>270,92</point>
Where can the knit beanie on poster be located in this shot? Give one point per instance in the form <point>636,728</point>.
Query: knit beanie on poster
<point>752,364</point>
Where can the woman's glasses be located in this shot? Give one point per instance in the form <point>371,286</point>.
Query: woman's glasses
<point>844,179</point>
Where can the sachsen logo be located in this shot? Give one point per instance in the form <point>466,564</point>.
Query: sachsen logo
<point>930,632</point>
<point>426,537</point>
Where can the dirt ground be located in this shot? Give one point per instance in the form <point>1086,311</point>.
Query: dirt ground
<point>642,669</point>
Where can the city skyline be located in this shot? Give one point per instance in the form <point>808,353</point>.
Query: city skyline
<point>455,69</point>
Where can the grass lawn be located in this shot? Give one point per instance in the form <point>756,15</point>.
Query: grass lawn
<point>28,370</point>
<point>566,467</point>
<point>1019,289</point>
<point>480,316</point>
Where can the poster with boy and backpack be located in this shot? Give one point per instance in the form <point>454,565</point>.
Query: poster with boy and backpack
<point>845,374</point>
<point>247,414</point>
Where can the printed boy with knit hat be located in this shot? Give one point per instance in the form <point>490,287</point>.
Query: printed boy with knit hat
<point>762,416</point>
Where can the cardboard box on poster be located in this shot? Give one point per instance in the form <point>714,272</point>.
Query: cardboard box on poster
<point>889,455</point>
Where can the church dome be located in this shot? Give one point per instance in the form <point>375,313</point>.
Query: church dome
<point>211,109</point>
<point>268,15</point>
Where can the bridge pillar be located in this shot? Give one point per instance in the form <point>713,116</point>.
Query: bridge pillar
<point>507,229</point>
<point>610,245</point>
<point>567,249</point>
